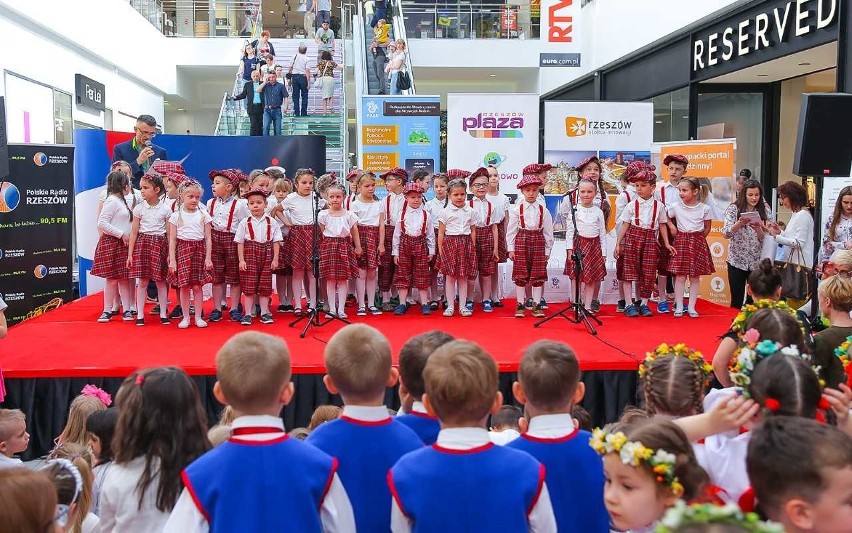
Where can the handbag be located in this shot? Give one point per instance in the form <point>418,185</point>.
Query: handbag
<point>795,278</point>
<point>289,74</point>
<point>403,81</point>
<point>319,81</point>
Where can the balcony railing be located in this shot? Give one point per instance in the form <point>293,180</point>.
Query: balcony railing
<point>430,20</point>
<point>202,18</point>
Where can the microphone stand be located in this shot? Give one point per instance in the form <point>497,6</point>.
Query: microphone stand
<point>581,314</point>
<point>313,313</point>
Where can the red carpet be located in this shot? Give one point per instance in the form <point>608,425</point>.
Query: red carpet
<point>68,342</point>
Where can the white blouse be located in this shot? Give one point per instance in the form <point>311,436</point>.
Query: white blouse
<point>501,202</point>
<point>220,211</point>
<point>115,217</point>
<point>436,207</point>
<point>152,218</point>
<point>690,218</point>
<point>414,223</point>
<point>623,198</point>
<point>119,500</point>
<point>261,227</point>
<point>647,208</point>
<point>534,219</point>
<point>337,226</point>
<point>299,210</point>
<point>368,213</point>
<point>799,236</point>
<point>190,226</point>
<point>590,224</point>
<point>457,220</point>
<point>487,214</point>
<point>667,193</point>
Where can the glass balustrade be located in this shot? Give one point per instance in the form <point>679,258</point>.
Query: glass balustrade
<point>469,20</point>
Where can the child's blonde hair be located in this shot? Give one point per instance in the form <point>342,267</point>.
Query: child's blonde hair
<point>75,428</point>
<point>252,368</point>
<point>358,360</point>
<point>81,458</point>
<point>219,434</point>
<point>673,385</point>
<point>7,417</point>
<point>227,416</point>
<point>323,414</point>
<point>283,184</point>
<point>361,177</point>
<point>838,289</point>
<point>461,382</point>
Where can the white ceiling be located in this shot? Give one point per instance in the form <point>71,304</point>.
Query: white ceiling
<point>792,66</point>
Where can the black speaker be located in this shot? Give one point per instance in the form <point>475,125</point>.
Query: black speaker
<point>4,141</point>
<point>823,141</point>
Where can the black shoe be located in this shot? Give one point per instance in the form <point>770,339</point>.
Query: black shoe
<point>191,310</point>
<point>105,317</point>
<point>155,310</point>
<point>164,320</point>
<point>134,312</point>
<point>215,315</point>
<point>140,321</point>
<point>177,312</point>
<point>127,316</point>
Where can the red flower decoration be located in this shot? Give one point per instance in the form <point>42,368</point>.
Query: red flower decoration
<point>772,404</point>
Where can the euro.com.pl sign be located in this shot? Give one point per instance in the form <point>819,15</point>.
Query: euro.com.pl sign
<point>558,60</point>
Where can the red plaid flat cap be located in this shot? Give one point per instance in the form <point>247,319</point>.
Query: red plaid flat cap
<point>677,158</point>
<point>228,173</point>
<point>530,179</point>
<point>412,187</point>
<point>398,172</point>
<point>584,162</point>
<point>536,168</point>
<point>457,174</point>
<point>256,192</point>
<point>164,167</point>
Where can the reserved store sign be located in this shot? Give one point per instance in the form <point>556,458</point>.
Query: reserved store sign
<point>769,30</point>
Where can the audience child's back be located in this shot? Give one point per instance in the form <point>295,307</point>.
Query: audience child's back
<point>549,384</point>
<point>365,439</point>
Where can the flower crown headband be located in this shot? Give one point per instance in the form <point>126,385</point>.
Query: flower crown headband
<point>635,453</point>
<point>755,350</point>
<point>842,353</point>
<point>678,350</point>
<point>740,321</point>
<point>682,515</point>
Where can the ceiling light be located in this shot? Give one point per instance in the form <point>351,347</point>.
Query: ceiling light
<point>181,109</point>
<point>805,64</point>
<point>658,122</point>
<point>492,75</point>
<point>271,12</point>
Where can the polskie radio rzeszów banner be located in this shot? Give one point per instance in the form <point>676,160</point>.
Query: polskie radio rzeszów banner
<point>402,132</point>
<point>36,210</point>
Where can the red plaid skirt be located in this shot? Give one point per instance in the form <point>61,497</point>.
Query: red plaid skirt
<point>226,262</point>
<point>458,257</point>
<point>386,264</point>
<point>530,265</point>
<point>110,258</point>
<point>301,246</point>
<point>337,259</point>
<point>663,257</point>
<point>485,251</point>
<point>693,255</point>
<point>190,265</point>
<point>150,257</point>
<point>502,248</point>
<point>369,237</point>
<point>413,267</point>
<point>594,267</point>
<point>284,268</point>
<point>638,259</point>
<point>257,278</point>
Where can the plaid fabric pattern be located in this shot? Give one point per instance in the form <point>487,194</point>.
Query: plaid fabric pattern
<point>257,278</point>
<point>110,260</point>
<point>150,257</point>
<point>413,268</point>
<point>458,257</point>
<point>168,167</point>
<point>638,259</point>
<point>190,265</point>
<point>502,248</point>
<point>284,268</point>
<point>594,268</point>
<point>337,258</point>
<point>485,251</point>
<point>386,264</point>
<point>435,264</point>
<point>693,255</point>
<point>301,247</point>
<point>369,237</point>
<point>226,262</point>
<point>530,264</point>
<point>663,257</point>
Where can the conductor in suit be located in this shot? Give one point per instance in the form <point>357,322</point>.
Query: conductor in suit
<point>138,152</point>
<point>254,103</point>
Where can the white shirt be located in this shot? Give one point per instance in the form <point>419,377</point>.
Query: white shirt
<point>486,212</point>
<point>90,523</point>
<point>335,513</point>
<point>152,218</point>
<point>623,198</point>
<point>133,199</point>
<point>119,501</point>
<point>667,193</point>
<point>532,221</point>
<point>725,453</point>
<point>114,218</point>
<point>337,226</point>
<point>501,202</point>
<point>393,207</point>
<point>689,218</point>
<point>300,64</point>
<point>540,517</point>
<point>260,226</point>
<point>457,220</point>
<point>418,407</point>
<point>366,413</point>
<point>5,461</point>
<point>436,207</point>
<point>414,228</point>
<point>551,426</point>
<point>190,226</point>
<point>502,438</point>
<point>368,213</point>
<point>299,210</point>
<point>99,473</point>
<point>799,235</point>
<point>220,212</point>
<point>590,223</point>
<point>647,208</point>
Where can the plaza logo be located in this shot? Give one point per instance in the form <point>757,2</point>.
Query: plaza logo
<point>497,125</point>
<point>581,126</point>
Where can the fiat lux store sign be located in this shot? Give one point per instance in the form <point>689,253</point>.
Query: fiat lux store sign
<point>765,32</point>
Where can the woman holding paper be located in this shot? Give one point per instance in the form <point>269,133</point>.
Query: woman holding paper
<point>745,228</point>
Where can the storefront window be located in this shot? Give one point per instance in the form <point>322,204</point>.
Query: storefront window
<point>64,125</point>
<point>671,116</point>
<point>734,116</point>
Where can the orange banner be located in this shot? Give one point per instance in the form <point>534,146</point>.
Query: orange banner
<point>706,160</point>
<point>714,288</point>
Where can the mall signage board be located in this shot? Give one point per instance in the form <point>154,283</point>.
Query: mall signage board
<point>560,24</point>
<point>90,93</point>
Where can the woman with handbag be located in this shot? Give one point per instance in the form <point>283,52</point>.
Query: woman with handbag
<point>745,228</point>
<point>325,80</point>
<point>395,66</point>
<point>799,238</point>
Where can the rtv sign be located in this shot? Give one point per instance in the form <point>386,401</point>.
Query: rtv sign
<point>559,23</point>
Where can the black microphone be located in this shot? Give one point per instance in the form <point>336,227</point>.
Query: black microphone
<point>147,144</point>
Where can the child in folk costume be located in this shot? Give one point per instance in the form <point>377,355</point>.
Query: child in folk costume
<point>501,204</point>
<point>227,210</point>
<point>299,216</point>
<point>337,254</point>
<point>590,169</point>
<point>636,248</point>
<point>529,238</point>
<point>627,195</point>
<point>540,170</point>
<point>190,249</point>
<point>691,258</point>
<point>371,232</point>
<point>456,246</point>
<point>395,179</point>
<point>148,248</point>
<point>436,206</point>
<point>284,273</point>
<point>258,239</point>
<point>487,218</point>
<point>352,184</point>
<point>110,261</point>
<point>668,193</point>
<point>591,230</point>
<point>259,179</point>
<point>244,184</point>
<point>413,249</point>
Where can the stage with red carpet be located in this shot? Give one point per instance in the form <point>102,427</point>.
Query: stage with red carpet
<point>47,360</point>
